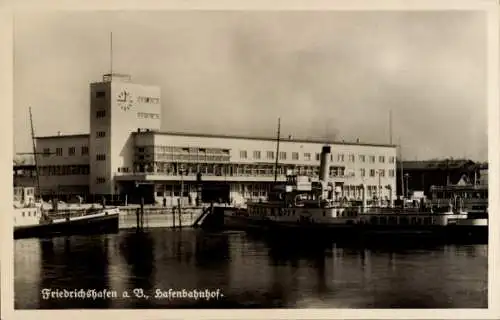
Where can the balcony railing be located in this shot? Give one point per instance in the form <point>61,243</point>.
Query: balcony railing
<point>220,176</point>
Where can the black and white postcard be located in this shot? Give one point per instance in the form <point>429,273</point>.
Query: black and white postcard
<point>319,160</point>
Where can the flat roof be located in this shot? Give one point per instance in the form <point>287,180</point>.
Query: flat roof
<point>206,135</point>
<point>437,164</point>
<point>79,135</point>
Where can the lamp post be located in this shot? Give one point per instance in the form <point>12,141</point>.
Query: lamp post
<point>406,191</point>
<point>181,172</point>
<point>379,187</point>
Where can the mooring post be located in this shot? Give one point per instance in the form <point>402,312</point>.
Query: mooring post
<point>137,218</point>
<point>173,216</point>
<point>142,212</point>
<point>180,213</point>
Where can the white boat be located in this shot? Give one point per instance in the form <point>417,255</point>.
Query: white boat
<point>305,207</point>
<point>31,220</point>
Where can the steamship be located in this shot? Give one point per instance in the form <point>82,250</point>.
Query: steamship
<point>306,208</point>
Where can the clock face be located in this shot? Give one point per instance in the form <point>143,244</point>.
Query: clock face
<point>124,100</point>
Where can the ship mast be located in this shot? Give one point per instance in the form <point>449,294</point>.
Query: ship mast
<point>402,173</point>
<point>37,177</point>
<point>390,126</point>
<point>277,152</point>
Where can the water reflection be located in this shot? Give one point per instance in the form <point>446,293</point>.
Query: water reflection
<point>249,271</point>
<point>65,261</point>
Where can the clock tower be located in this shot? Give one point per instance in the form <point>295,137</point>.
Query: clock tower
<point>118,107</point>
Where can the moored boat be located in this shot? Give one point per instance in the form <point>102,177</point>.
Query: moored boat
<point>31,220</point>
<point>308,209</point>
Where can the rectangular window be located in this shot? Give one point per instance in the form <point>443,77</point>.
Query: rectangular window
<point>372,159</point>
<point>59,151</point>
<point>295,156</point>
<point>362,172</point>
<point>100,180</point>
<point>317,156</point>
<point>270,155</point>
<point>71,151</point>
<point>307,156</point>
<point>372,172</point>
<point>100,157</point>
<point>243,154</point>
<point>101,134</point>
<point>381,172</point>
<point>392,159</point>
<point>100,114</point>
<point>362,158</point>
<point>100,94</point>
<point>85,150</point>
<point>256,155</point>
<point>340,157</point>
<point>381,159</point>
<point>352,158</point>
<point>391,172</point>
<point>282,155</point>
<point>46,152</point>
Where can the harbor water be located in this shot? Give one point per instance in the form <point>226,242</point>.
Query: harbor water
<point>191,268</point>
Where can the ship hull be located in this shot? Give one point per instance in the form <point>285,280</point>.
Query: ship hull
<point>468,233</point>
<point>87,225</point>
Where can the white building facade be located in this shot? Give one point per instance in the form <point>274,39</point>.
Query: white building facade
<point>125,154</point>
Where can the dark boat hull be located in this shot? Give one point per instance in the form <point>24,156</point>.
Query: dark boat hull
<point>363,232</point>
<point>91,225</point>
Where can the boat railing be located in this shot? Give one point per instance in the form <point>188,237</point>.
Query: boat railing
<point>77,212</point>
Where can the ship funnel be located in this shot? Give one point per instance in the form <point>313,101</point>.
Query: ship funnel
<point>324,167</point>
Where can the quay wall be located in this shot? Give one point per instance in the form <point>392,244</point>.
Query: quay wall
<point>159,217</point>
<point>153,217</point>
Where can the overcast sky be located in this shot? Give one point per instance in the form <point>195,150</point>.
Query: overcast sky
<point>326,74</point>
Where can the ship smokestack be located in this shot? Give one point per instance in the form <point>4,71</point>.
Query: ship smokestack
<point>324,167</point>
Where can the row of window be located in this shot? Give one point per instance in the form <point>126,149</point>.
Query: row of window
<point>477,194</point>
<point>257,155</point>
<point>100,114</point>
<point>183,157</point>
<point>379,172</point>
<point>100,180</point>
<point>147,115</point>
<point>401,220</point>
<point>182,150</point>
<point>174,153</point>
<point>168,168</point>
<point>64,170</point>
<point>148,100</point>
<point>71,151</point>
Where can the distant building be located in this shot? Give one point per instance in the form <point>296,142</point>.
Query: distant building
<point>421,175</point>
<point>125,154</point>
<point>24,175</point>
<point>483,174</point>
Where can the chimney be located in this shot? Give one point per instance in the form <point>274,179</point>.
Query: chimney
<point>324,167</point>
